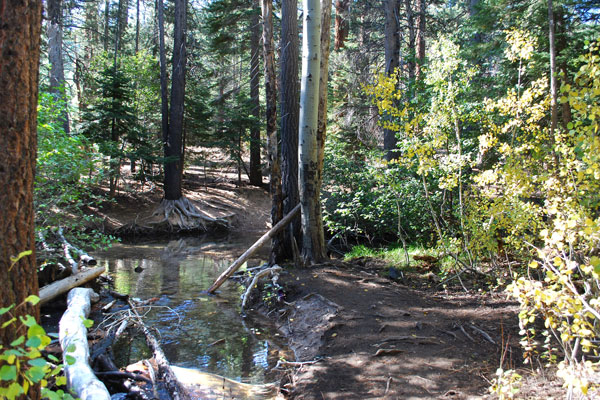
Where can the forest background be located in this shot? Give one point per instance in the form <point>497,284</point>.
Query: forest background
<point>466,127</point>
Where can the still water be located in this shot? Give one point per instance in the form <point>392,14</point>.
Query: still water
<point>195,330</point>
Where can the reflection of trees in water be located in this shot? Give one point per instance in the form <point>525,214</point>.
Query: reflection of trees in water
<point>178,273</point>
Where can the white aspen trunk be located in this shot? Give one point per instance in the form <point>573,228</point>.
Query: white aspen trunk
<point>312,249</point>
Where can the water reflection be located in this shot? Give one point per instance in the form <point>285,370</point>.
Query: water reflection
<point>188,322</point>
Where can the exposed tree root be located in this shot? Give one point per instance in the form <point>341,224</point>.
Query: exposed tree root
<point>177,215</point>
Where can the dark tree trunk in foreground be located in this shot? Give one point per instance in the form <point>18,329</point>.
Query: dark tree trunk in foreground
<point>164,94</point>
<point>392,55</point>
<point>173,143</point>
<point>271,114</point>
<point>290,109</point>
<point>55,56</point>
<point>421,29</point>
<point>20,26</point>
<point>255,171</point>
<point>342,25</point>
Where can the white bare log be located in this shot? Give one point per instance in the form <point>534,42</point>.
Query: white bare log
<point>73,340</point>
<point>57,288</point>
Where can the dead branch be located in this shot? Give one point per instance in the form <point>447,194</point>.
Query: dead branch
<point>483,333</point>
<point>57,288</point>
<point>273,270</point>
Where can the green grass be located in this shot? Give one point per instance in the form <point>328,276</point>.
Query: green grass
<point>394,255</point>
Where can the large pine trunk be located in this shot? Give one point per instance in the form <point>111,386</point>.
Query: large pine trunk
<point>55,56</point>
<point>19,59</point>
<point>290,109</point>
<point>313,248</point>
<point>255,172</point>
<point>173,144</point>
<point>272,150</point>
<point>392,55</point>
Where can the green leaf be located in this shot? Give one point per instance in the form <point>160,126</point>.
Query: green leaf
<point>35,374</point>
<point>8,373</point>
<point>37,362</point>
<point>35,330</point>
<point>4,310</point>
<point>18,341</point>
<point>88,323</point>
<point>21,255</point>
<point>33,299</point>
<point>28,320</point>
<point>34,342</point>
<point>14,390</point>
<point>70,359</point>
<point>7,323</point>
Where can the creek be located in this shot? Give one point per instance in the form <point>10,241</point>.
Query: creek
<point>196,330</point>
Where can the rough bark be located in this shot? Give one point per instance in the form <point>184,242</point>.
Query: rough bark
<point>122,19</point>
<point>392,62</point>
<point>322,119</point>
<point>552,50</point>
<point>106,23</point>
<point>164,95</point>
<point>55,56</point>
<point>271,111</point>
<point>255,170</point>
<point>421,27</point>
<point>20,28</point>
<point>290,109</point>
<point>313,250</point>
<point>342,27</point>
<point>173,143</point>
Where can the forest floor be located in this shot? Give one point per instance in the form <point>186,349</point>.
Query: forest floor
<point>371,337</point>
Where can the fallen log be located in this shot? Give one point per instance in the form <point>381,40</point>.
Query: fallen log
<point>175,388</point>
<point>57,288</point>
<point>257,245</point>
<point>84,258</point>
<point>73,340</point>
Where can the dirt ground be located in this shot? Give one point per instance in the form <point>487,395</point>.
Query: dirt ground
<point>356,333</point>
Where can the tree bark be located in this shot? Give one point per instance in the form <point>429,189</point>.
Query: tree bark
<point>341,23</point>
<point>19,60</point>
<point>106,23</point>
<point>255,171</point>
<point>421,27</point>
<point>553,93</point>
<point>290,108</point>
<point>313,250</point>
<point>272,143</point>
<point>164,95</point>
<point>55,57</point>
<point>322,119</point>
<point>137,26</point>
<point>172,185</point>
<point>392,62</point>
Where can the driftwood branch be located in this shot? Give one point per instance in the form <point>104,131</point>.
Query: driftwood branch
<point>254,282</point>
<point>73,340</point>
<point>84,258</point>
<point>57,288</point>
<point>175,388</point>
<point>257,245</point>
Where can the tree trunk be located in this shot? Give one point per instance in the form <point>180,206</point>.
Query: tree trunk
<point>553,93</point>
<point>273,154</point>
<point>255,171</point>
<point>137,26</point>
<point>55,57</point>
<point>421,26</point>
<point>164,95</point>
<point>313,250</point>
<point>173,144</point>
<point>106,23</point>
<point>122,20</point>
<point>19,60</point>
<point>322,120</point>
<point>392,62</point>
<point>341,23</point>
<point>290,108</point>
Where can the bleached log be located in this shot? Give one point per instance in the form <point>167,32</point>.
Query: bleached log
<point>73,340</point>
<point>257,245</point>
<point>57,288</point>
<point>84,258</point>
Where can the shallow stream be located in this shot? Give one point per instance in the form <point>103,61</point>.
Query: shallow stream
<point>195,330</point>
